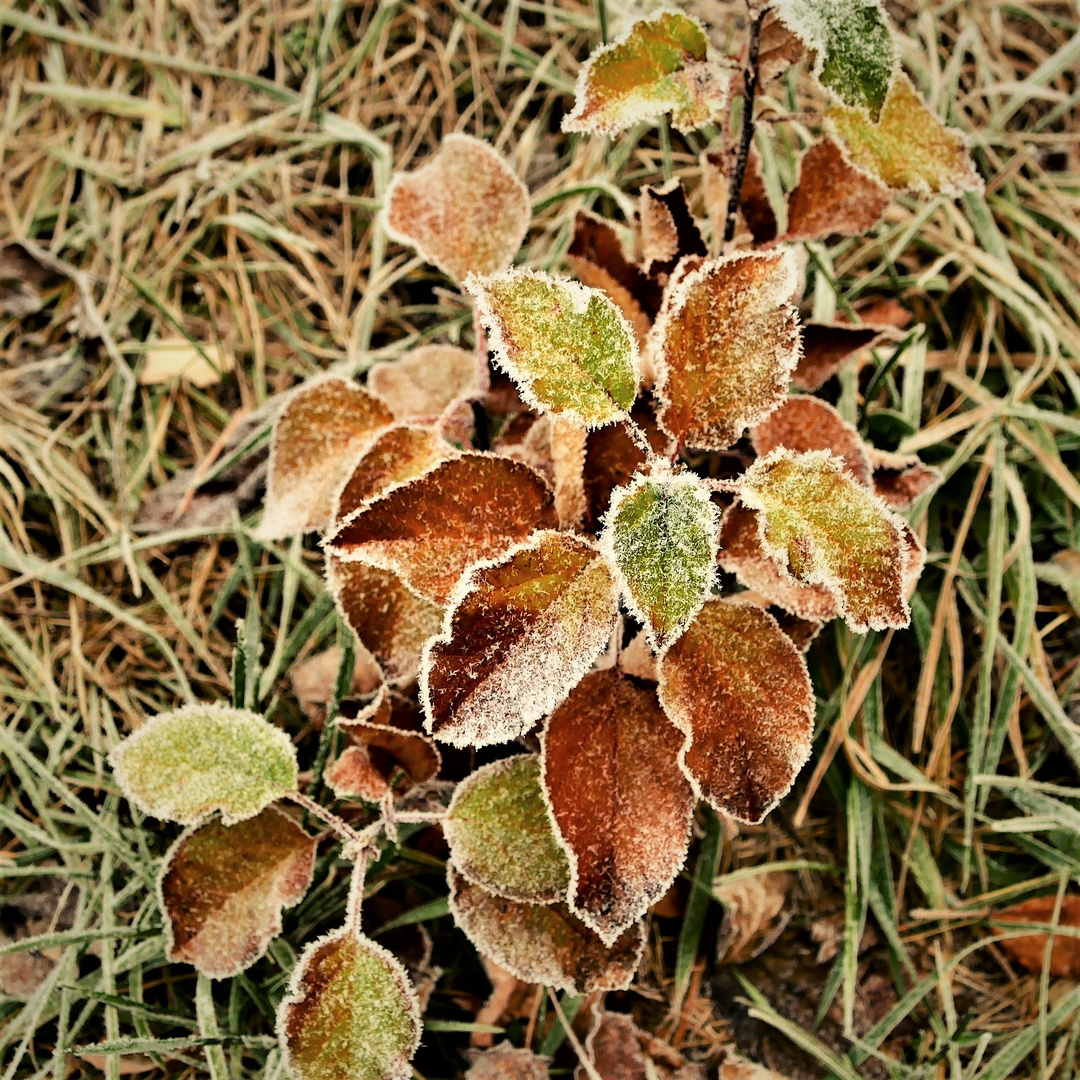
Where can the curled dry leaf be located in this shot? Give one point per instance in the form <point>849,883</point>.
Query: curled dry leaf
<point>183,765</point>
<point>778,48</point>
<point>756,912</point>
<point>658,66</point>
<point>827,346</point>
<point>568,347</point>
<point>507,1062</point>
<point>429,530</point>
<point>668,229</point>
<point>500,835</point>
<point>465,211</point>
<point>725,346</point>
<point>909,149</point>
<point>350,1012</point>
<point>660,538</point>
<point>856,56</point>
<point>620,803</point>
<point>1063,571</point>
<point>1029,950</point>
<point>808,423</point>
<point>899,479</point>
<point>424,382</point>
<point>833,197</point>
<point>222,889</point>
<point>738,688</point>
<point>824,528</point>
<point>637,659</point>
<point>391,621</point>
<point>518,635</point>
<point>315,679</point>
<point>543,943</point>
<point>201,366</point>
<point>326,424</point>
<point>754,204</point>
<point>614,1046</point>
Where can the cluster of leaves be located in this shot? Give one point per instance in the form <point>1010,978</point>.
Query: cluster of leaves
<point>495,538</point>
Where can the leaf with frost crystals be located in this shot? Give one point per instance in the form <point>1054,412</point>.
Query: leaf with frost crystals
<point>899,479</point>
<point>350,1012</point>
<point>543,943</point>
<point>183,765</point>
<point>668,230</point>
<point>828,346</point>
<point>465,211</point>
<point>856,56</point>
<point>801,631</point>
<point>391,621</point>
<point>833,197</point>
<point>500,835</point>
<point>222,889</point>
<point>620,803</point>
<point>568,347</point>
<point>725,345</point>
<point>424,382</point>
<point>807,423</point>
<point>507,1062</point>
<point>909,149</point>
<point>738,689</point>
<point>519,634</point>
<point>325,425</point>
<point>660,537</point>
<point>658,66</point>
<point>431,529</point>
<point>824,528</point>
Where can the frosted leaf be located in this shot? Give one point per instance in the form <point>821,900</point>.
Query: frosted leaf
<point>725,346</point>
<point>828,346</point>
<point>183,765</point>
<point>429,530</point>
<point>738,689</point>
<point>899,479</point>
<point>658,66</point>
<point>741,554</point>
<point>909,149</point>
<point>350,1012</point>
<point>808,423</point>
<point>507,1062</point>
<point>856,56</point>
<point>222,889</point>
<point>638,659</point>
<point>518,635</point>
<point>660,538</point>
<point>568,347</point>
<point>465,211</point>
<point>755,214</point>
<point>567,447</point>
<point>543,943</point>
<point>778,49</point>
<point>423,383</point>
<point>833,197</point>
<point>826,529</point>
<point>324,427</point>
<point>619,801</point>
<point>399,454</point>
<point>611,460</point>
<point>668,229</point>
<point>391,621</point>
<point>801,631</point>
<point>754,204</point>
<point>614,1045</point>
<point>500,835</point>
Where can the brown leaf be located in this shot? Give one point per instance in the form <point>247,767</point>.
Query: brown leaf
<point>611,459</point>
<point>754,202</point>
<point>668,229</point>
<point>423,383</point>
<point>567,446</point>
<point>327,423</point>
<point>314,680</point>
<point>739,690</point>
<point>519,635</point>
<point>507,1062</point>
<point>223,888</point>
<point>899,479</point>
<point>544,943</point>
<point>778,48</point>
<point>465,210</point>
<point>808,423</point>
<point>801,631</point>
<point>756,912</point>
<point>620,803</point>
<point>1029,950</point>
<point>614,1044</point>
<point>833,197</point>
<point>429,530</point>
<point>827,346</point>
<point>725,346</point>
<point>385,614</point>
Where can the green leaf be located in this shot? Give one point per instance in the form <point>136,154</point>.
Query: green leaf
<point>183,765</point>
<point>500,835</point>
<point>658,66</point>
<point>856,56</point>
<point>568,347</point>
<point>660,537</point>
<point>350,1013</point>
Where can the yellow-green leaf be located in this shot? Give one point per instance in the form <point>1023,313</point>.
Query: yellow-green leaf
<point>660,65</point>
<point>183,765</point>
<point>568,347</point>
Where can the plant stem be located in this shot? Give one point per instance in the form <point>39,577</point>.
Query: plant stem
<point>317,810</point>
<point>354,904</point>
<point>601,15</point>
<point>746,137</point>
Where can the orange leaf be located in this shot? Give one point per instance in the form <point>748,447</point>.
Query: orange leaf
<point>1029,950</point>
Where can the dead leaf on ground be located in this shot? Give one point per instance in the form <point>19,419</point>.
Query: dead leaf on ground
<point>201,365</point>
<point>314,680</point>
<point>1029,950</point>
<point>757,912</point>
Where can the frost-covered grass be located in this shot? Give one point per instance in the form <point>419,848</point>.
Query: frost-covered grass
<point>215,173</point>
